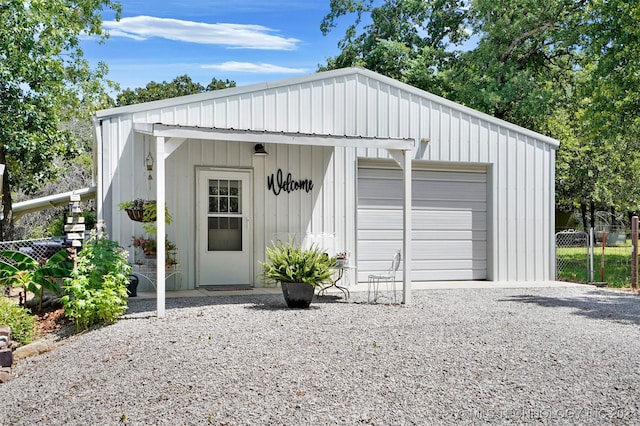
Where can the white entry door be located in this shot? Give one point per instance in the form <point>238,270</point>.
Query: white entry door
<point>224,227</point>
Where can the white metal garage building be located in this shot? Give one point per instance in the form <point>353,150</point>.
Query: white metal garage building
<point>483,189</point>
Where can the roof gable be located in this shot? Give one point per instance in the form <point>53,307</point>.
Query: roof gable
<point>328,77</point>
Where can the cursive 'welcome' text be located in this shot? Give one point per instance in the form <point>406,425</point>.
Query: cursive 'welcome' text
<point>277,183</point>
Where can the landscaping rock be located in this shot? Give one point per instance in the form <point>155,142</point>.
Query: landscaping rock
<point>32,349</point>
<point>5,375</point>
<point>5,330</point>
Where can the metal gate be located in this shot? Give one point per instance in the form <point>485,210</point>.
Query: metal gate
<point>572,256</point>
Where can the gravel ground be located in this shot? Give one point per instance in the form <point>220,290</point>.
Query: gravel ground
<point>498,356</point>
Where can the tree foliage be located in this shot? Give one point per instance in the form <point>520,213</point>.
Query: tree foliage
<point>44,81</point>
<point>404,39</point>
<point>179,86</point>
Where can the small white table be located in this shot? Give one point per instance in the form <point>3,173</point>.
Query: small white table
<point>340,270</point>
<point>149,271</point>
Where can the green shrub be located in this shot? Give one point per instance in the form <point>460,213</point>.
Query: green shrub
<point>22,323</point>
<point>96,292</point>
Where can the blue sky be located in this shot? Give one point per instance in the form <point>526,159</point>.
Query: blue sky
<point>248,41</point>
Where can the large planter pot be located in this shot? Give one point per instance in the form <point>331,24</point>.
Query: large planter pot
<point>297,295</point>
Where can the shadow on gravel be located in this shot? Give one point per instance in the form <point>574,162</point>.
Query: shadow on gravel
<point>137,307</point>
<point>141,306</point>
<point>621,308</point>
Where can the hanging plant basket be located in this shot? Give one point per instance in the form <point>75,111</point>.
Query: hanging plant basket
<point>140,210</point>
<point>135,215</point>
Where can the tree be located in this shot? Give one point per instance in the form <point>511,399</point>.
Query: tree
<point>44,81</point>
<point>180,86</point>
<point>408,40</point>
<point>612,54</point>
<point>523,67</point>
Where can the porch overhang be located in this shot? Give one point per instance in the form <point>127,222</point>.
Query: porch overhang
<point>169,137</point>
<point>168,131</point>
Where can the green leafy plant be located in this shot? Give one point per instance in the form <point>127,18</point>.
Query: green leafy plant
<point>18,269</point>
<point>96,292</point>
<point>22,323</point>
<point>287,262</point>
<point>149,244</point>
<point>145,211</point>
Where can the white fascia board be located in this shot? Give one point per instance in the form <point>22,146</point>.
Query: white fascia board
<point>253,136</point>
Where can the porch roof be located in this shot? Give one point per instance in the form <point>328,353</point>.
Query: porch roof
<point>172,131</point>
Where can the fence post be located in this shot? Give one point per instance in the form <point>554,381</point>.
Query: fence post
<point>634,253</point>
<point>592,243</point>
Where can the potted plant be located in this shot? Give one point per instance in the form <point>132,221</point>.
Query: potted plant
<point>342,259</point>
<point>298,271</point>
<point>145,211</point>
<point>148,245</point>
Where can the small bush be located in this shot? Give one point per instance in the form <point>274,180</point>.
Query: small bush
<point>22,323</point>
<point>97,288</point>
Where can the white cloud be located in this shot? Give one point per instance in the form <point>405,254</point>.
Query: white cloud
<point>248,67</point>
<point>231,35</point>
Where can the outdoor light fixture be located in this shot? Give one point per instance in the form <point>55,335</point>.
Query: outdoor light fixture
<point>259,150</point>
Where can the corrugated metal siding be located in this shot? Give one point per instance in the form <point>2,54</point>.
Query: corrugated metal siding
<point>521,166</point>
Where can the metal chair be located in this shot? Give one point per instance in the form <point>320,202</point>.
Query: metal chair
<point>388,276</point>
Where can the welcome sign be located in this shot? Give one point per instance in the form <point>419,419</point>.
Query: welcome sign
<point>277,183</point>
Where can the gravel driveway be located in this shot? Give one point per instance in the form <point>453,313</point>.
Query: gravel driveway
<point>561,355</point>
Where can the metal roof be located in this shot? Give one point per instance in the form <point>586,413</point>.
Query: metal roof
<point>327,76</point>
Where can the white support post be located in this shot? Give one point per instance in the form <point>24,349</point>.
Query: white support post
<point>407,227</point>
<point>161,227</point>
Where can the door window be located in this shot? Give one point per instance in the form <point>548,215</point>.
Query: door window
<point>224,218</point>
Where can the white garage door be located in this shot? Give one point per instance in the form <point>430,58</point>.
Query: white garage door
<point>449,223</point>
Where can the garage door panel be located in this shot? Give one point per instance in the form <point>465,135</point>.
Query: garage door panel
<point>447,205</point>
<point>434,265</point>
<point>447,235</point>
<point>457,250</point>
<point>377,251</point>
<point>449,223</point>
<point>443,275</point>
<point>431,250</point>
<point>453,191</point>
<point>379,219</point>
<point>479,250</point>
<point>423,175</point>
<point>453,220</point>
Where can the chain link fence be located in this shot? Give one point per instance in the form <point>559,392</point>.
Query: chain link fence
<point>40,249</point>
<point>603,258</point>
<point>572,256</point>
